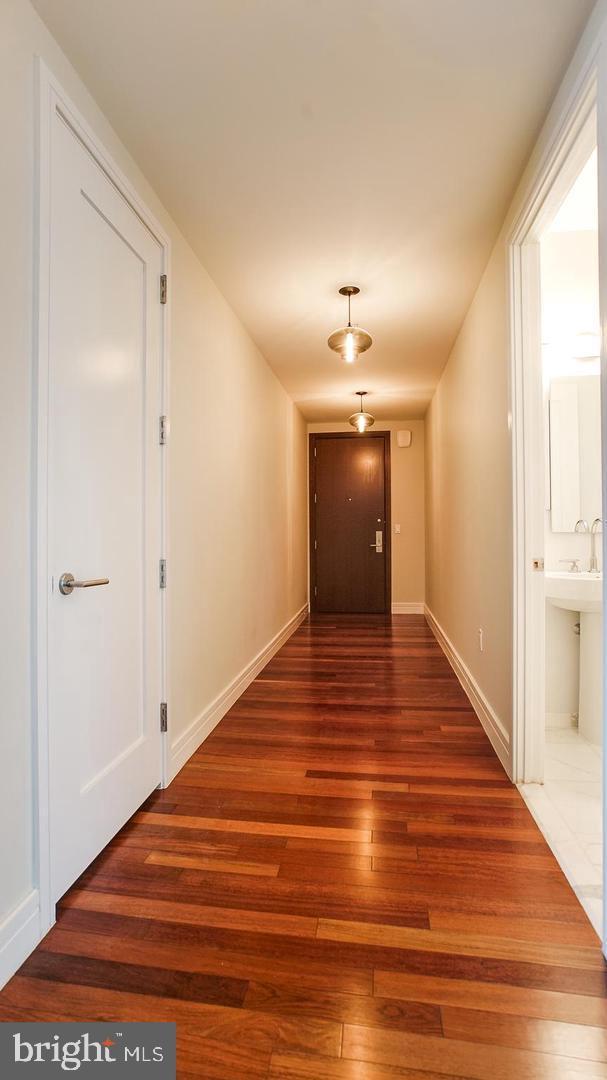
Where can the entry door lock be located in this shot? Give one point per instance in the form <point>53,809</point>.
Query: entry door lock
<point>379,542</point>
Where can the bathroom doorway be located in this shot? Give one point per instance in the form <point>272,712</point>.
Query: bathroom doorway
<point>558,732</point>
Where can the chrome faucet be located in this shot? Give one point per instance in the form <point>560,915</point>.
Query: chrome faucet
<point>596,527</point>
<point>574,565</point>
<point>581,526</point>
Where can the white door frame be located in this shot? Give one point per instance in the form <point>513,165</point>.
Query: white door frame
<point>569,151</point>
<point>51,98</point>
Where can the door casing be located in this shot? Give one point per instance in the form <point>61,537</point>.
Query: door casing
<point>313,442</point>
<point>51,98</point>
<point>577,139</point>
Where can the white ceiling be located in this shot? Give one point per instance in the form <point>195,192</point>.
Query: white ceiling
<point>306,144</point>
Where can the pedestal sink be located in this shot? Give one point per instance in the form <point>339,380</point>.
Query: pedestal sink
<point>583,592</point>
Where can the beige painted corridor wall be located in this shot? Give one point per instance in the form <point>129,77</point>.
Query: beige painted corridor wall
<point>407,468</point>
<point>469,565</point>
<point>237,484</point>
<point>468,500</point>
<point>238,500</point>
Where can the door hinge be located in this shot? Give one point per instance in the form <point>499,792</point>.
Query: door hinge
<point>163,288</point>
<point>314,496</point>
<point>163,428</point>
<point>315,590</point>
<point>164,716</point>
<point>314,451</point>
<point>163,573</point>
<point>315,545</point>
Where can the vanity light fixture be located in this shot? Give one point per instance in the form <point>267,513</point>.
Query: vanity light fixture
<point>362,421</point>
<point>350,340</point>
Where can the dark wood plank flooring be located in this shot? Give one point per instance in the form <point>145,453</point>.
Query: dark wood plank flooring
<point>341,884</point>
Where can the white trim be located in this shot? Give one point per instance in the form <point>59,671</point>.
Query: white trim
<point>50,96</point>
<point>407,607</point>
<point>572,139</point>
<point>560,720</point>
<point>528,420</point>
<point>498,736</point>
<point>19,934</point>
<point>202,726</point>
<point>602,171</point>
<point>562,138</point>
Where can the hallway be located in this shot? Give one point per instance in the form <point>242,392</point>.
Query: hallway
<point>341,883</point>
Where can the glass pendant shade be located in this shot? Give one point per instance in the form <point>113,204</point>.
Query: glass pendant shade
<point>350,340</point>
<point>362,421</point>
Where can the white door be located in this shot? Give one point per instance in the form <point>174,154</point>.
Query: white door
<point>104,508</point>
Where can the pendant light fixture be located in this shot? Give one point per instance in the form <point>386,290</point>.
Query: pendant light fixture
<point>362,421</point>
<point>350,340</point>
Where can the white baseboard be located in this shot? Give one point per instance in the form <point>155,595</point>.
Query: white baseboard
<point>407,608</point>
<point>19,933</point>
<point>498,736</point>
<point>202,725</point>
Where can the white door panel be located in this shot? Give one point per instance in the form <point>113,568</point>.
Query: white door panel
<point>105,356</point>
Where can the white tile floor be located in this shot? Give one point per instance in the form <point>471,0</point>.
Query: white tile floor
<point>568,809</point>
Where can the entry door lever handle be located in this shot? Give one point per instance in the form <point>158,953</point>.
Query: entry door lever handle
<point>67,583</point>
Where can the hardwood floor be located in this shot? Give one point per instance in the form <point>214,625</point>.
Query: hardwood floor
<point>341,884</point>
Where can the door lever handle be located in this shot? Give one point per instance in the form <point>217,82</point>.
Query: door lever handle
<point>67,583</point>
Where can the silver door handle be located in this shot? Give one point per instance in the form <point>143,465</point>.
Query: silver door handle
<point>67,583</point>
<point>379,541</point>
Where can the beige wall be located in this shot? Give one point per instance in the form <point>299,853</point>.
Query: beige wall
<point>469,453</point>
<point>238,510</point>
<point>468,494</point>
<point>237,485</point>
<point>407,467</point>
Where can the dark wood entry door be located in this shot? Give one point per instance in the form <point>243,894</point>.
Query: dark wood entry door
<point>349,522</point>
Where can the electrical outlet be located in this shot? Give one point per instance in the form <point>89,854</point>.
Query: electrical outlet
<point>481,639</point>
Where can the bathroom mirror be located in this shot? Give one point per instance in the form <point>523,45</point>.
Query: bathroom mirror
<point>575,450</point>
